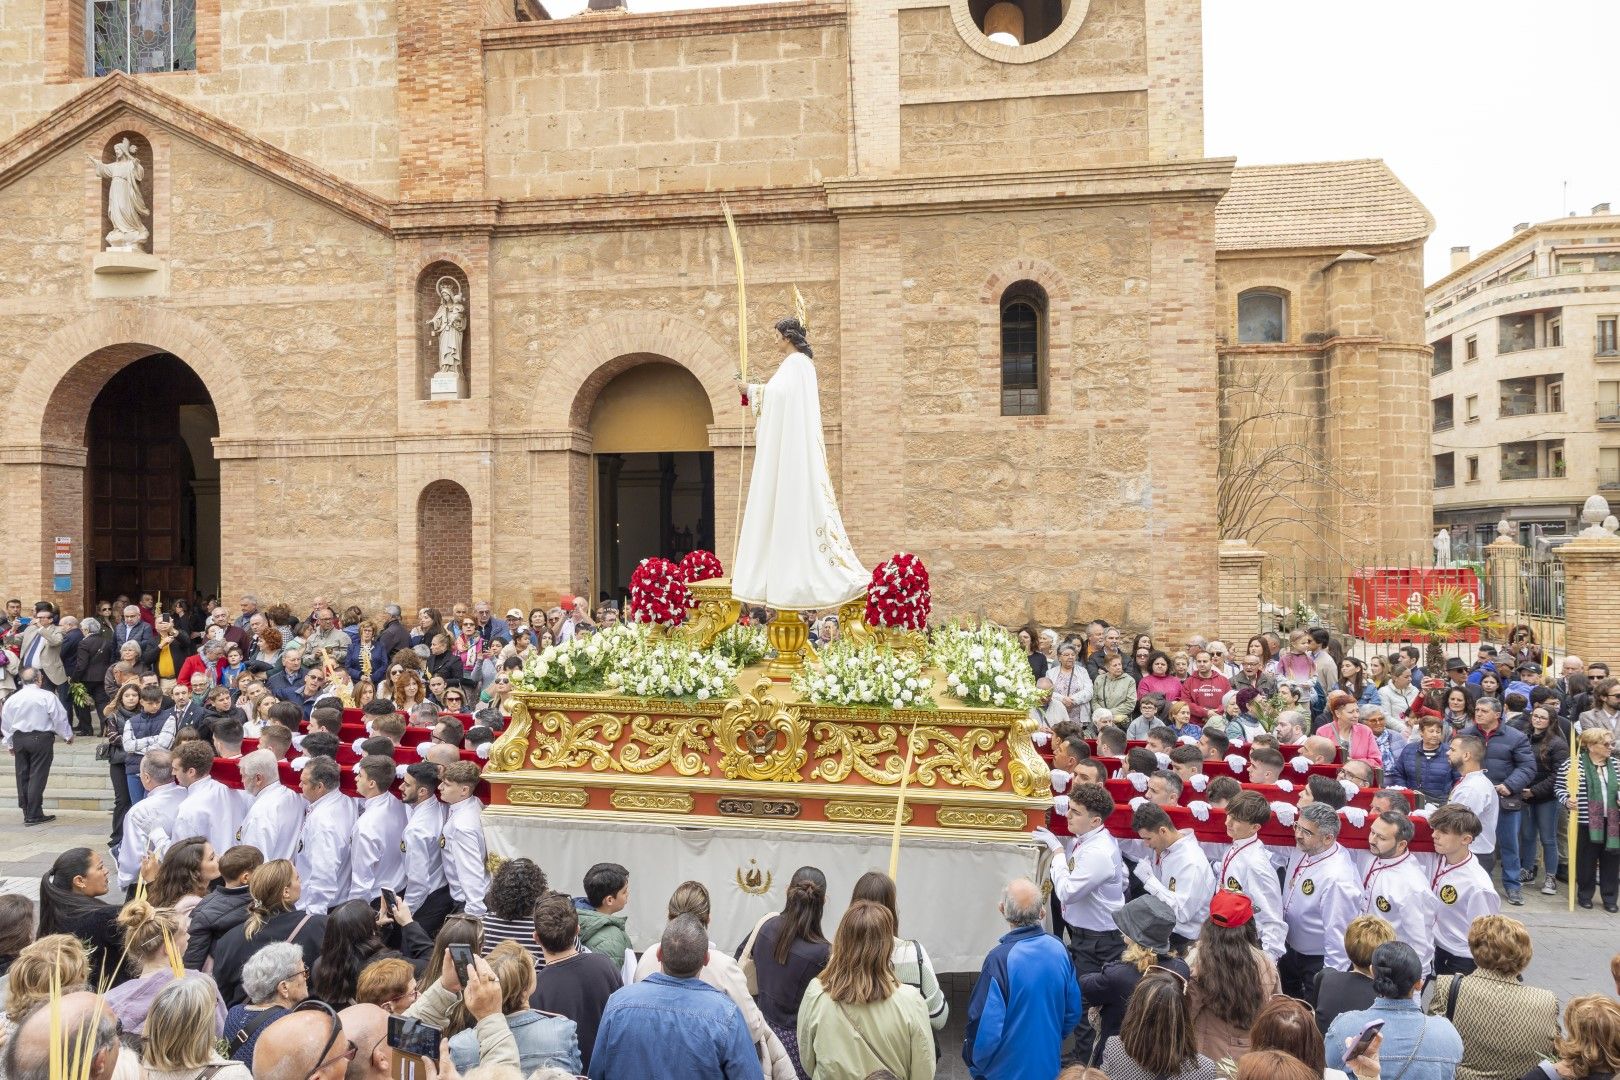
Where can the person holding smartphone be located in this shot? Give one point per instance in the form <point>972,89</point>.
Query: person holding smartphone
<point>1409,1044</point>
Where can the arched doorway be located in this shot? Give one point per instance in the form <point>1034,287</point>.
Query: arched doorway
<point>443,545</point>
<point>151,492</point>
<point>653,467</point>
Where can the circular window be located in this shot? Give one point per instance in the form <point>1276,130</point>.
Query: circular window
<point>1018,31</point>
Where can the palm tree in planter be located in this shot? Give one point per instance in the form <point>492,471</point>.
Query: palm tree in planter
<point>1444,616</point>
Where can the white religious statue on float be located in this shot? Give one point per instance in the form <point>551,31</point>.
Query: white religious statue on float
<point>793,554</point>
<point>450,323</point>
<point>125,207</point>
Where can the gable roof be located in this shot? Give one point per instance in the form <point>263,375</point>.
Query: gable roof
<point>119,94</point>
<point>1318,204</point>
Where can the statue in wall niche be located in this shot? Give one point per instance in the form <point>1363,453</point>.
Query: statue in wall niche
<point>125,207</point>
<point>1442,548</point>
<point>450,323</point>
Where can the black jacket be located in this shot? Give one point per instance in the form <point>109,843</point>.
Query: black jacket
<point>1109,991</point>
<point>392,638</point>
<point>1340,992</point>
<point>578,988</point>
<point>448,665</point>
<point>1550,749</point>
<point>92,659</point>
<point>234,950</point>
<point>97,926</point>
<point>218,912</point>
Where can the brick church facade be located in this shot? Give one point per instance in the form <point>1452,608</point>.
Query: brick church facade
<point>1026,285</point>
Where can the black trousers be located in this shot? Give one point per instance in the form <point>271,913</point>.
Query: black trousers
<point>1297,973</point>
<point>120,786</point>
<point>1596,868</point>
<point>34,753</point>
<point>1090,951</point>
<point>1451,964</point>
<point>436,907</point>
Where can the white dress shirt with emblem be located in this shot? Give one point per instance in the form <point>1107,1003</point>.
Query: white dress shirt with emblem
<point>1462,893</point>
<point>273,821</point>
<point>1246,868</point>
<point>1397,890</point>
<point>323,852</point>
<point>1181,877</point>
<point>148,826</point>
<point>464,867</point>
<point>1476,792</point>
<point>1321,895</point>
<point>424,859</point>
<point>1090,883</point>
<point>377,862</point>
<point>212,810</point>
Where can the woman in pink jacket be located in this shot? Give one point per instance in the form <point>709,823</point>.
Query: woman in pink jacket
<point>1160,680</point>
<point>1354,738</point>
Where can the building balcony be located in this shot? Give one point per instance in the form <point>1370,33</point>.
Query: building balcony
<point>1522,410</point>
<point>1608,479</point>
<point>1608,412</point>
<point>1443,424</point>
<point>1544,472</point>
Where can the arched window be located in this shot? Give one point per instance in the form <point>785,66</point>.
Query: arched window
<point>1023,350</point>
<point>1262,316</point>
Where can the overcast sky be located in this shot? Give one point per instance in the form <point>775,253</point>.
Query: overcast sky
<point>1484,108</point>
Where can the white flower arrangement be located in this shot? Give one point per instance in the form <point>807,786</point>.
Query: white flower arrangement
<point>870,675</point>
<point>741,645</point>
<point>671,668</point>
<point>580,665</point>
<point>984,666</point>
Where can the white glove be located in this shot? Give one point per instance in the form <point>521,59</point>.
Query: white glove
<point>1041,738</point>
<point>399,771</point>
<point>1060,805</point>
<point>1351,788</point>
<point>1138,801</point>
<point>1199,809</point>
<point>1144,872</point>
<point>1138,781</point>
<point>1285,785</point>
<point>1355,815</point>
<point>1061,780</point>
<point>355,746</point>
<point>1199,781</point>
<point>1423,812</point>
<point>1044,836</point>
<point>1285,813</point>
<point>298,743</point>
<point>298,763</point>
<point>1301,764</point>
<point>369,732</point>
<point>1164,760</point>
<point>483,751</point>
<point>1237,763</point>
<point>1188,740</point>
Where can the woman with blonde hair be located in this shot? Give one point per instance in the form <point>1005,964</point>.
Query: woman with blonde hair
<point>179,1039</point>
<point>1349,991</point>
<point>1590,1046</point>
<point>1506,1026</point>
<point>273,915</point>
<point>1145,925</point>
<point>154,942</point>
<point>543,1039</point>
<point>856,1017</point>
<point>61,958</point>
<point>1595,805</point>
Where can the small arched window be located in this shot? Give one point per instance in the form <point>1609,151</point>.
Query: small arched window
<point>1262,316</point>
<point>1023,350</point>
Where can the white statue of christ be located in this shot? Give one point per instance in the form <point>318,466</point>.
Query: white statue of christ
<point>125,207</point>
<point>793,554</point>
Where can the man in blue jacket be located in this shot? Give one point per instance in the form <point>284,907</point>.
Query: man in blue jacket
<point>1027,998</point>
<point>1510,764</point>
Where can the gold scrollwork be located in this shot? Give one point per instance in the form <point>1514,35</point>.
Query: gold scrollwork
<point>1031,777</point>
<point>961,761</point>
<point>847,748</point>
<point>966,760</point>
<point>507,753</point>
<point>963,817</point>
<point>760,739</point>
<point>656,802</point>
<point>680,742</point>
<point>877,813</point>
<point>561,743</point>
<point>530,795</point>
<point>714,612</point>
<point>852,621</point>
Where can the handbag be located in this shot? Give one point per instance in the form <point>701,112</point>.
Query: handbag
<point>745,959</point>
<point>112,752</point>
<point>916,948</point>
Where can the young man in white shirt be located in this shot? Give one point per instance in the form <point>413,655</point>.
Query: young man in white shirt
<point>1175,871</point>
<point>1396,887</point>
<point>1246,867</point>
<point>275,816</point>
<point>1461,887</point>
<point>426,892</point>
<point>211,809</point>
<point>1321,893</point>
<point>377,860</point>
<point>1476,792</point>
<point>463,838</point>
<point>323,857</point>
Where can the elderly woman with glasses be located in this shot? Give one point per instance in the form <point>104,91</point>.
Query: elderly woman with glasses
<point>275,980</point>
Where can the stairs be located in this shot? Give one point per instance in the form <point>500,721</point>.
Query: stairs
<point>77,782</point>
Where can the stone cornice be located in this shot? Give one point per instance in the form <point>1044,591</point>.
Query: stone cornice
<point>73,457</point>
<point>616,26</point>
<point>108,98</point>
<point>669,210</point>
<point>441,218</point>
<point>392,445</point>
<point>903,195</point>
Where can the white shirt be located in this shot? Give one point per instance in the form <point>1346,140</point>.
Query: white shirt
<point>377,862</point>
<point>273,821</point>
<point>1397,890</point>
<point>1182,878</point>
<point>33,708</point>
<point>1462,893</point>
<point>322,858</point>
<point>1090,883</point>
<point>211,810</point>
<point>419,844</point>
<point>463,844</point>
<point>1476,792</point>
<point>1321,895</point>
<point>1246,868</point>
<point>148,826</point>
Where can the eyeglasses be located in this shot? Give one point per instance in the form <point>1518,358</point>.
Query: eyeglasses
<point>347,1054</point>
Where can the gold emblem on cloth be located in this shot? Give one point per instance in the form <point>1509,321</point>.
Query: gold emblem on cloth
<point>1448,894</point>
<point>1383,904</point>
<point>1233,885</point>
<point>752,880</point>
<point>656,802</point>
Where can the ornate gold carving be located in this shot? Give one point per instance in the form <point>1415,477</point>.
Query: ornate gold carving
<point>964,817</point>
<point>966,760</point>
<point>679,742</point>
<point>507,753</point>
<point>753,880</point>
<point>961,761</point>
<point>529,795</point>
<point>713,612</point>
<point>656,802</point>
<point>767,808</point>
<point>848,748</point>
<point>852,621</point>
<point>760,739</point>
<point>877,813</point>
<point>561,743</point>
<point>492,863</point>
<point>1031,777</point>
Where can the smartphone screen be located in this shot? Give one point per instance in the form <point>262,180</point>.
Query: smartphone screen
<point>461,957</point>
<point>1364,1040</point>
<point>413,1045</point>
<point>388,900</point>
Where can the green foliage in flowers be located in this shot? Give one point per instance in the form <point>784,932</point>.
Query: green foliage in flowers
<point>740,645</point>
<point>984,666</point>
<point>866,675</point>
<point>581,664</point>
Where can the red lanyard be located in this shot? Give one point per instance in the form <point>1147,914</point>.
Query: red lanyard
<point>1440,873</point>
<point>1230,855</point>
<point>1376,868</point>
<point>1304,863</point>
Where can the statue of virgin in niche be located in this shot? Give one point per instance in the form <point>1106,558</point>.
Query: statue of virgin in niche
<point>450,323</point>
<point>125,207</point>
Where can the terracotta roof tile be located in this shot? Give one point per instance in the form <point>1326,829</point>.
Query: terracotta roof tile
<point>1318,204</point>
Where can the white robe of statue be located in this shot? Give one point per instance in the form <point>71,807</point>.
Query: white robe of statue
<point>125,207</point>
<point>793,553</point>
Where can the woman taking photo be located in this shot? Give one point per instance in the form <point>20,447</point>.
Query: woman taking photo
<point>69,904</point>
<point>352,938</point>
<point>1231,978</point>
<point>1157,1040</point>
<point>544,1040</point>
<point>856,1017</point>
<point>787,951</point>
<point>275,980</point>
<point>1355,740</point>
<point>1539,822</point>
<point>1595,804</point>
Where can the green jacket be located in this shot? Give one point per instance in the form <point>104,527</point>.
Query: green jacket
<point>603,934</point>
<point>1118,696</point>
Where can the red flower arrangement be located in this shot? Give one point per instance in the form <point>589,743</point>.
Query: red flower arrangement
<point>658,593</point>
<point>898,595</point>
<point>701,565</point>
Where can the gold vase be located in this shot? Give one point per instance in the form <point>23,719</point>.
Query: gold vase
<point>788,634</point>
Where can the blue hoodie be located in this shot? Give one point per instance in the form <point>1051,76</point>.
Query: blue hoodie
<point>1025,1003</point>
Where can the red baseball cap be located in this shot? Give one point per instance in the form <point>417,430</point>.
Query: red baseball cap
<point>1230,909</point>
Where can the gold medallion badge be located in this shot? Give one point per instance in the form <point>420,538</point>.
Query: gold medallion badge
<point>1383,904</point>
<point>1448,894</point>
<point>1172,884</point>
<point>1232,885</point>
<point>753,880</point>
<point>1308,888</point>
